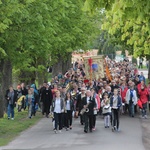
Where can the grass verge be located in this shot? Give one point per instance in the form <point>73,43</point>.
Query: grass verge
<point>9,129</point>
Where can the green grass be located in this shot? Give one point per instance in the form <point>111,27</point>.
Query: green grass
<point>9,129</point>
<point>147,81</point>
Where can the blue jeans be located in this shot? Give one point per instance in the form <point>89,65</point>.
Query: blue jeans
<point>10,110</point>
<point>131,109</point>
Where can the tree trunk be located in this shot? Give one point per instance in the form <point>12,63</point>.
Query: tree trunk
<point>6,80</point>
<point>42,74</point>
<point>1,90</point>
<point>67,64</point>
<point>27,77</point>
<point>41,77</point>
<point>62,65</point>
<point>149,69</point>
<point>57,67</point>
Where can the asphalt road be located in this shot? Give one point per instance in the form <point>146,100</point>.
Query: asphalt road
<point>42,137</point>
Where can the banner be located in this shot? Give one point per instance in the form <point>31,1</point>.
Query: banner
<point>97,67</point>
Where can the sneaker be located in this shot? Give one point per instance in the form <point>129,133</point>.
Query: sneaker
<point>59,131</point>
<point>12,118</point>
<point>94,129</point>
<point>85,131</point>
<point>55,131</point>
<point>8,118</point>
<point>145,116</point>
<point>67,129</point>
<point>118,130</point>
<point>70,127</point>
<point>112,129</point>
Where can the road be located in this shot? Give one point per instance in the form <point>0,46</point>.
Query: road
<point>42,137</point>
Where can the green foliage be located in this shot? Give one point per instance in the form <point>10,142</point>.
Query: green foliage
<point>32,31</point>
<point>131,19</point>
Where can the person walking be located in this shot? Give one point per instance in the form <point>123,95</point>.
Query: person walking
<point>115,104</point>
<point>69,107</point>
<point>90,105</point>
<point>97,107</point>
<point>58,108</point>
<point>30,103</point>
<point>79,103</point>
<point>143,96</point>
<point>47,98</point>
<point>106,110</point>
<point>11,97</point>
<point>131,100</point>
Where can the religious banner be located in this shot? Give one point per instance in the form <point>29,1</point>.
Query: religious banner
<point>94,67</point>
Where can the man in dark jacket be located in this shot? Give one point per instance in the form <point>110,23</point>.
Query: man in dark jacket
<point>47,98</point>
<point>11,97</point>
<point>90,104</point>
<point>79,105</point>
<point>40,96</point>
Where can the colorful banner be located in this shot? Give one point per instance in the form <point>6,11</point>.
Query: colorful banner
<point>97,67</point>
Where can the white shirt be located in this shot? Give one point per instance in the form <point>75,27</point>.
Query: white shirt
<point>115,102</point>
<point>57,108</point>
<point>68,105</point>
<point>87,99</point>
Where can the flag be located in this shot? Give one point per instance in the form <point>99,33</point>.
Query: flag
<point>107,72</point>
<point>90,61</point>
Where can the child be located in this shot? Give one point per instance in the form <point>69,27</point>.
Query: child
<point>30,103</point>
<point>106,110</point>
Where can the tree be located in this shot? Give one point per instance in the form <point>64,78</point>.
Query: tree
<point>129,17</point>
<point>32,31</point>
<point>7,10</point>
<point>76,28</point>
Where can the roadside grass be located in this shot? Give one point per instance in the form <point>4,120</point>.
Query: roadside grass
<point>9,129</point>
<point>147,81</point>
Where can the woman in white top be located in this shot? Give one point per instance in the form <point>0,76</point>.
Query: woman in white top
<point>58,108</point>
<point>69,107</point>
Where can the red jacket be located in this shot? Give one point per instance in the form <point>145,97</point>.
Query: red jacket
<point>148,90</point>
<point>143,95</point>
<point>98,101</point>
<point>123,93</point>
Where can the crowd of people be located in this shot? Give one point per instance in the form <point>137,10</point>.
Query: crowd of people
<point>73,95</point>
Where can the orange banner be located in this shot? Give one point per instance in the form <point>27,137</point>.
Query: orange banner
<point>107,71</point>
